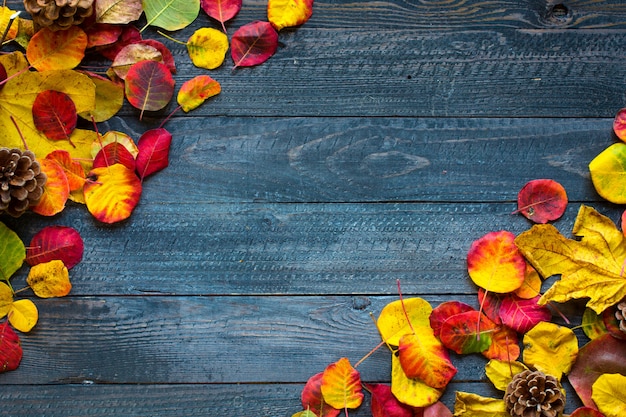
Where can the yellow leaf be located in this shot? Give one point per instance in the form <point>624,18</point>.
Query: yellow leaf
<point>5,17</point>
<point>6,299</point>
<point>288,13</point>
<point>49,279</point>
<point>23,315</point>
<point>207,48</point>
<point>392,322</point>
<point>109,99</point>
<point>608,173</point>
<point>500,373</point>
<point>609,395</point>
<point>531,287</point>
<point>341,385</point>
<point>413,392</point>
<point>590,268</point>
<point>112,193</point>
<point>550,348</point>
<point>472,405</point>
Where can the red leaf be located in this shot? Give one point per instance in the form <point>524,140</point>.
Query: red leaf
<point>3,76</point>
<point>166,54</point>
<point>56,242</point>
<point>586,412</point>
<point>149,86</point>
<point>619,124</point>
<point>221,10</point>
<point>102,34</point>
<point>130,34</point>
<point>523,314</point>
<point>463,333</point>
<point>114,153</point>
<point>490,305</point>
<point>437,409</point>
<point>385,404</point>
<point>253,44</point>
<point>54,114</point>
<point>603,355</point>
<point>444,311</point>
<point>312,398</point>
<point>154,151</point>
<point>542,200</point>
<point>10,348</point>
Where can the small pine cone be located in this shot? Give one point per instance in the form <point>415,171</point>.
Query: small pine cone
<point>21,181</point>
<point>620,315</point>
<point>534,394</point>
<point>58,14</point>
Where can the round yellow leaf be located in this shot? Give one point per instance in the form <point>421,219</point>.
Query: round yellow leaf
<point>6,299</point>
<point>550,348</point>
<point>608,173</point>
<point>392,322</point>
<point>23,315</point>
<point>207,48</point>
<point>609,395</point>
<point>500,373</point>
<point>49,279</point>
<point>413,392</point>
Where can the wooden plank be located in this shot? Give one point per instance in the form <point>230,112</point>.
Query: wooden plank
<point>370,159</point>
<point>285,248</point>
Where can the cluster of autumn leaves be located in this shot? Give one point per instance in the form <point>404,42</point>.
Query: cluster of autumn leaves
<point>41,108</point>
<point>508,271</point>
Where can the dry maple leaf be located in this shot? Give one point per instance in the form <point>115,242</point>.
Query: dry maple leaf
<point>592,267</point>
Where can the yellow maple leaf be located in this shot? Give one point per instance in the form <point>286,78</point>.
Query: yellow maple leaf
<point>609,395</point>
<point>592,267</point>
<point>49,279</point>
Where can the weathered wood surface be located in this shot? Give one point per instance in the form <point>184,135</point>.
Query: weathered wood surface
<point>376,145</point>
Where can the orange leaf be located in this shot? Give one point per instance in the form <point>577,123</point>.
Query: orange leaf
<point>73,169</point>
<point>341,385</point>
<point>495,264</point>
<point>112,193</point>
<point>194,92</point>
<point>49,279</point>
<point>532,284</point>
<point>422,356</point>
<point>63,49</point>
<point>56,191</point>
<point>504,345</point>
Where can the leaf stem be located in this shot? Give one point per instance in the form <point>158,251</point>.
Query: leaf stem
<point>370,353</point>
<point>169,116</point>
<point>406,314</point>
<point>166,36</point>
<point>19,131</point>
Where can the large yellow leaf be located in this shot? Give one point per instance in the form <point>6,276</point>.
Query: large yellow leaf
<point>23,315</point>
<point>111,193</point>
<point>393,324</point>
<point>550,348</point>
<point>609,394</point>
<point>49,279</point>
<point>6,299</point>
<point>608,173</point>
<point>17,98</point>
<point>473,405</point>
<point>590,268</point>
<point>409,391</point>
<point>341,385</point>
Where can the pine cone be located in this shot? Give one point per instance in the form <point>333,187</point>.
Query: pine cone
<point>21,181</point>
<point>534,394</point>
<point>620,315</point>
<point>58,14</point>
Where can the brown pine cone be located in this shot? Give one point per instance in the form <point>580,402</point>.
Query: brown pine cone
<point>620,315</point>
<point>21,181</point>
<point>534,394</point>
<point>58,14</point>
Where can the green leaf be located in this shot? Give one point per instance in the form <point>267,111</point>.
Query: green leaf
<point>12,252</point>
<point>171,14</point>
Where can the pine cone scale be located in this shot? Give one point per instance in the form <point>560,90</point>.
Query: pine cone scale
<point>58,14</point>
<point>534,394</point>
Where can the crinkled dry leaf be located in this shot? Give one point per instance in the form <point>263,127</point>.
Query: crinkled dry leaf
<point>550,348</point>
<point>473,405</point>
<point>49,279</point>
<point>500,373</point>
<point>609,394</point>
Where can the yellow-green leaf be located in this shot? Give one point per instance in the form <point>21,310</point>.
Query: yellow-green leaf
<point>473,405</point>
<point>49,279</point>
<point>609,394</point>
<point>608,173</point>
<point>6,299</point>
<point>591,267</point>
<point>207,48</point>
<point>12,252</point>
<point>23,315</point>
<point>171,14</point>
<point>500,373</point>
<point>550,348</point>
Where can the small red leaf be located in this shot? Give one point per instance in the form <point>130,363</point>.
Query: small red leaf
<point>586,412</point>
<point>73,169</point>
<point>10,348</point>
<point>385,404</point>
<point>619,124</point>
<point>253,44</point>
<point>130,34</point>
<point>114,153</point>
<point>542,200</point>
<point>102,34</point>
<point>166,54</point>
<point>154,151</point>
<point>444,311</point>
<point>149,86</point>
<point>312,398</point>
<point>54,114</point>
<point>221,10</point>
<point>490,303</point>
<point>522,314</point>
<point>56,243</point>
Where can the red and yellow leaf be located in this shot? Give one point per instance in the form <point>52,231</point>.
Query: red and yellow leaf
<point>495,264</point>
<point>468,332</point>
<point>56,242</point>
<point>411,391</point>
<point>112,193</point>
<point>422,356</point>
<point>132,54</point>
<point>166,54</point>
<point>312,398</point>
<point>194,92</point>
<point>253,44</point>
<point>154,151</point>
<point>113,136</point>
<point>54,114</point>
<point>586,412</point>
<point>102,34</point>
<point>73,169</point>
<point>504,345</point>
<point>56,190</point>
<point>10,348</point>
<point>532,284</point>
<point>149,86</point>
<point>619,124</point>
<point>542,200</point>
<point>341,385</point>
<point>444,311</point>
<point>114,153</point>
<point>288,13</point>
<point>49,279</point>
<point>57,50</point>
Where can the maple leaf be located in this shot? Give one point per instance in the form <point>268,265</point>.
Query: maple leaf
<point>590,268</point>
